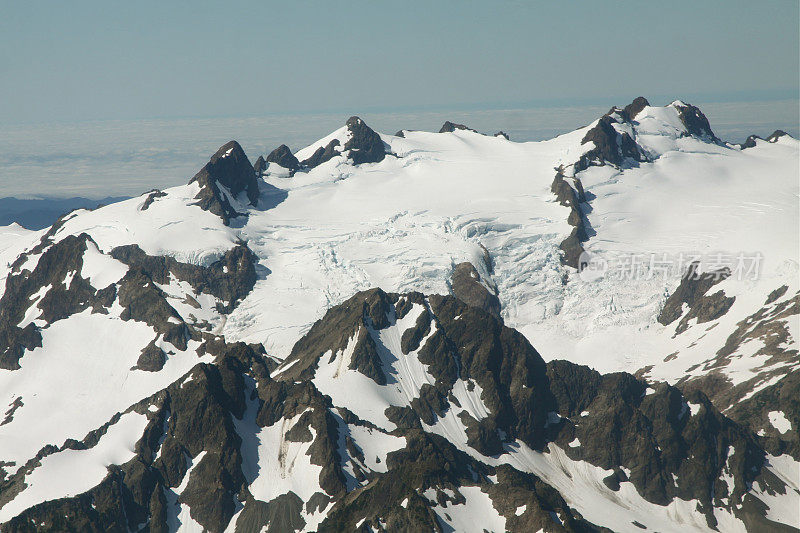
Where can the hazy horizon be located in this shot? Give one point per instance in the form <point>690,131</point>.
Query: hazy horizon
<point>95,159</point>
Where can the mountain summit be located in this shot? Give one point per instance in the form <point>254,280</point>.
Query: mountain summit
<point>228,174</point>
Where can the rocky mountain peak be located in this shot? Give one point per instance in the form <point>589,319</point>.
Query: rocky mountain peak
<point>450,127</point>
<point>284,157</point>
<point>612,145</point>
<point>260,166</point>
<point>365,145</point>
<point>631,110</point>
<point>695,121</point>
<point>777,134</point>
<point>230,168</point>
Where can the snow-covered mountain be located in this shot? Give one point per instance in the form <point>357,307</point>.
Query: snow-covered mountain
<point>420,331</point>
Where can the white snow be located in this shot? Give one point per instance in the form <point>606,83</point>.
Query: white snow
<point>782,507</point>
<point>402,224</point>
<point>376,445</point>
<point>476,514</point>
<point>359,393</point>
<point>178,514</point>
<point>79,379</point>
<point>779,421</point>
<point>72,472</point>
<point>100,269</point>
<point>284,466</point>
<point>171,226</point>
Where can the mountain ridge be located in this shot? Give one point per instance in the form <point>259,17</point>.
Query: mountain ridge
<point>260,379</point>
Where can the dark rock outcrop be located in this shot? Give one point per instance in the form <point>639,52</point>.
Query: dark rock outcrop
<point>62,292</point>
<point>230,169</point>
<point>750,142</point>
<point>260,166</point>
<point>695,121</point>
<point>284,157</point>
<point>571,197</point>
<point>364,145</point>
<point>229,279</point>
<point>322,154</point>
<point>655,435</point>
<point>610,146</point>
<point>466,285</point>
<point>631,110</point>
<point>692,292</point>
<point>450,127</point>
<point>777,134</point>
<point>151,197</point>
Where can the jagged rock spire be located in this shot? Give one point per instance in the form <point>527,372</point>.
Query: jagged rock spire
<point>284,157</point>
<point>631,110</point>
<point>365,145</point>
<point>229,167</point>
<point>695,121</point>
<point>450,127</point>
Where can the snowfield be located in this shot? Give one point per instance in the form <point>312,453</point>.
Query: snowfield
<point>403,224</point>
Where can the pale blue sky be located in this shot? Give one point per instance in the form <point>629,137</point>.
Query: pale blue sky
<point>65,61</point>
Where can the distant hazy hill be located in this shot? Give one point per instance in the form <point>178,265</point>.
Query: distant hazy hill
<point>42,212</point>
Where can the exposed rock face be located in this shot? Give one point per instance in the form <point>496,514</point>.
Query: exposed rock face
<point>631,110</point>
<point>692,292</point>
<point>322,154</point>
<point>450,127</point>
<point>364,145</point>
<point>230,169</point>
<point>769,329</point>
<point>55,287</point>
<point>571,196</point>
<point>653,434</point>
<point>777,134</point>
<point>198,426</point>
<point>229,279</point>
<point>695,121</point>
<point>611,145</point>
<point>151,197</point>
<point>468,288</point>
<point>260,166</point>
<point>502,134</point>
<point>750,142</point>
<point>284,157</point>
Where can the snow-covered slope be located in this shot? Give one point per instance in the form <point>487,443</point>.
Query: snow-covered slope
<point>201,303</point>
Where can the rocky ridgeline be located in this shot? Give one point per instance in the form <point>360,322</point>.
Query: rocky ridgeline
<point>613,141</point>
<point>648,436</point>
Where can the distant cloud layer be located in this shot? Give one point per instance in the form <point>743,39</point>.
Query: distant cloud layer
<point>115,158</point>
